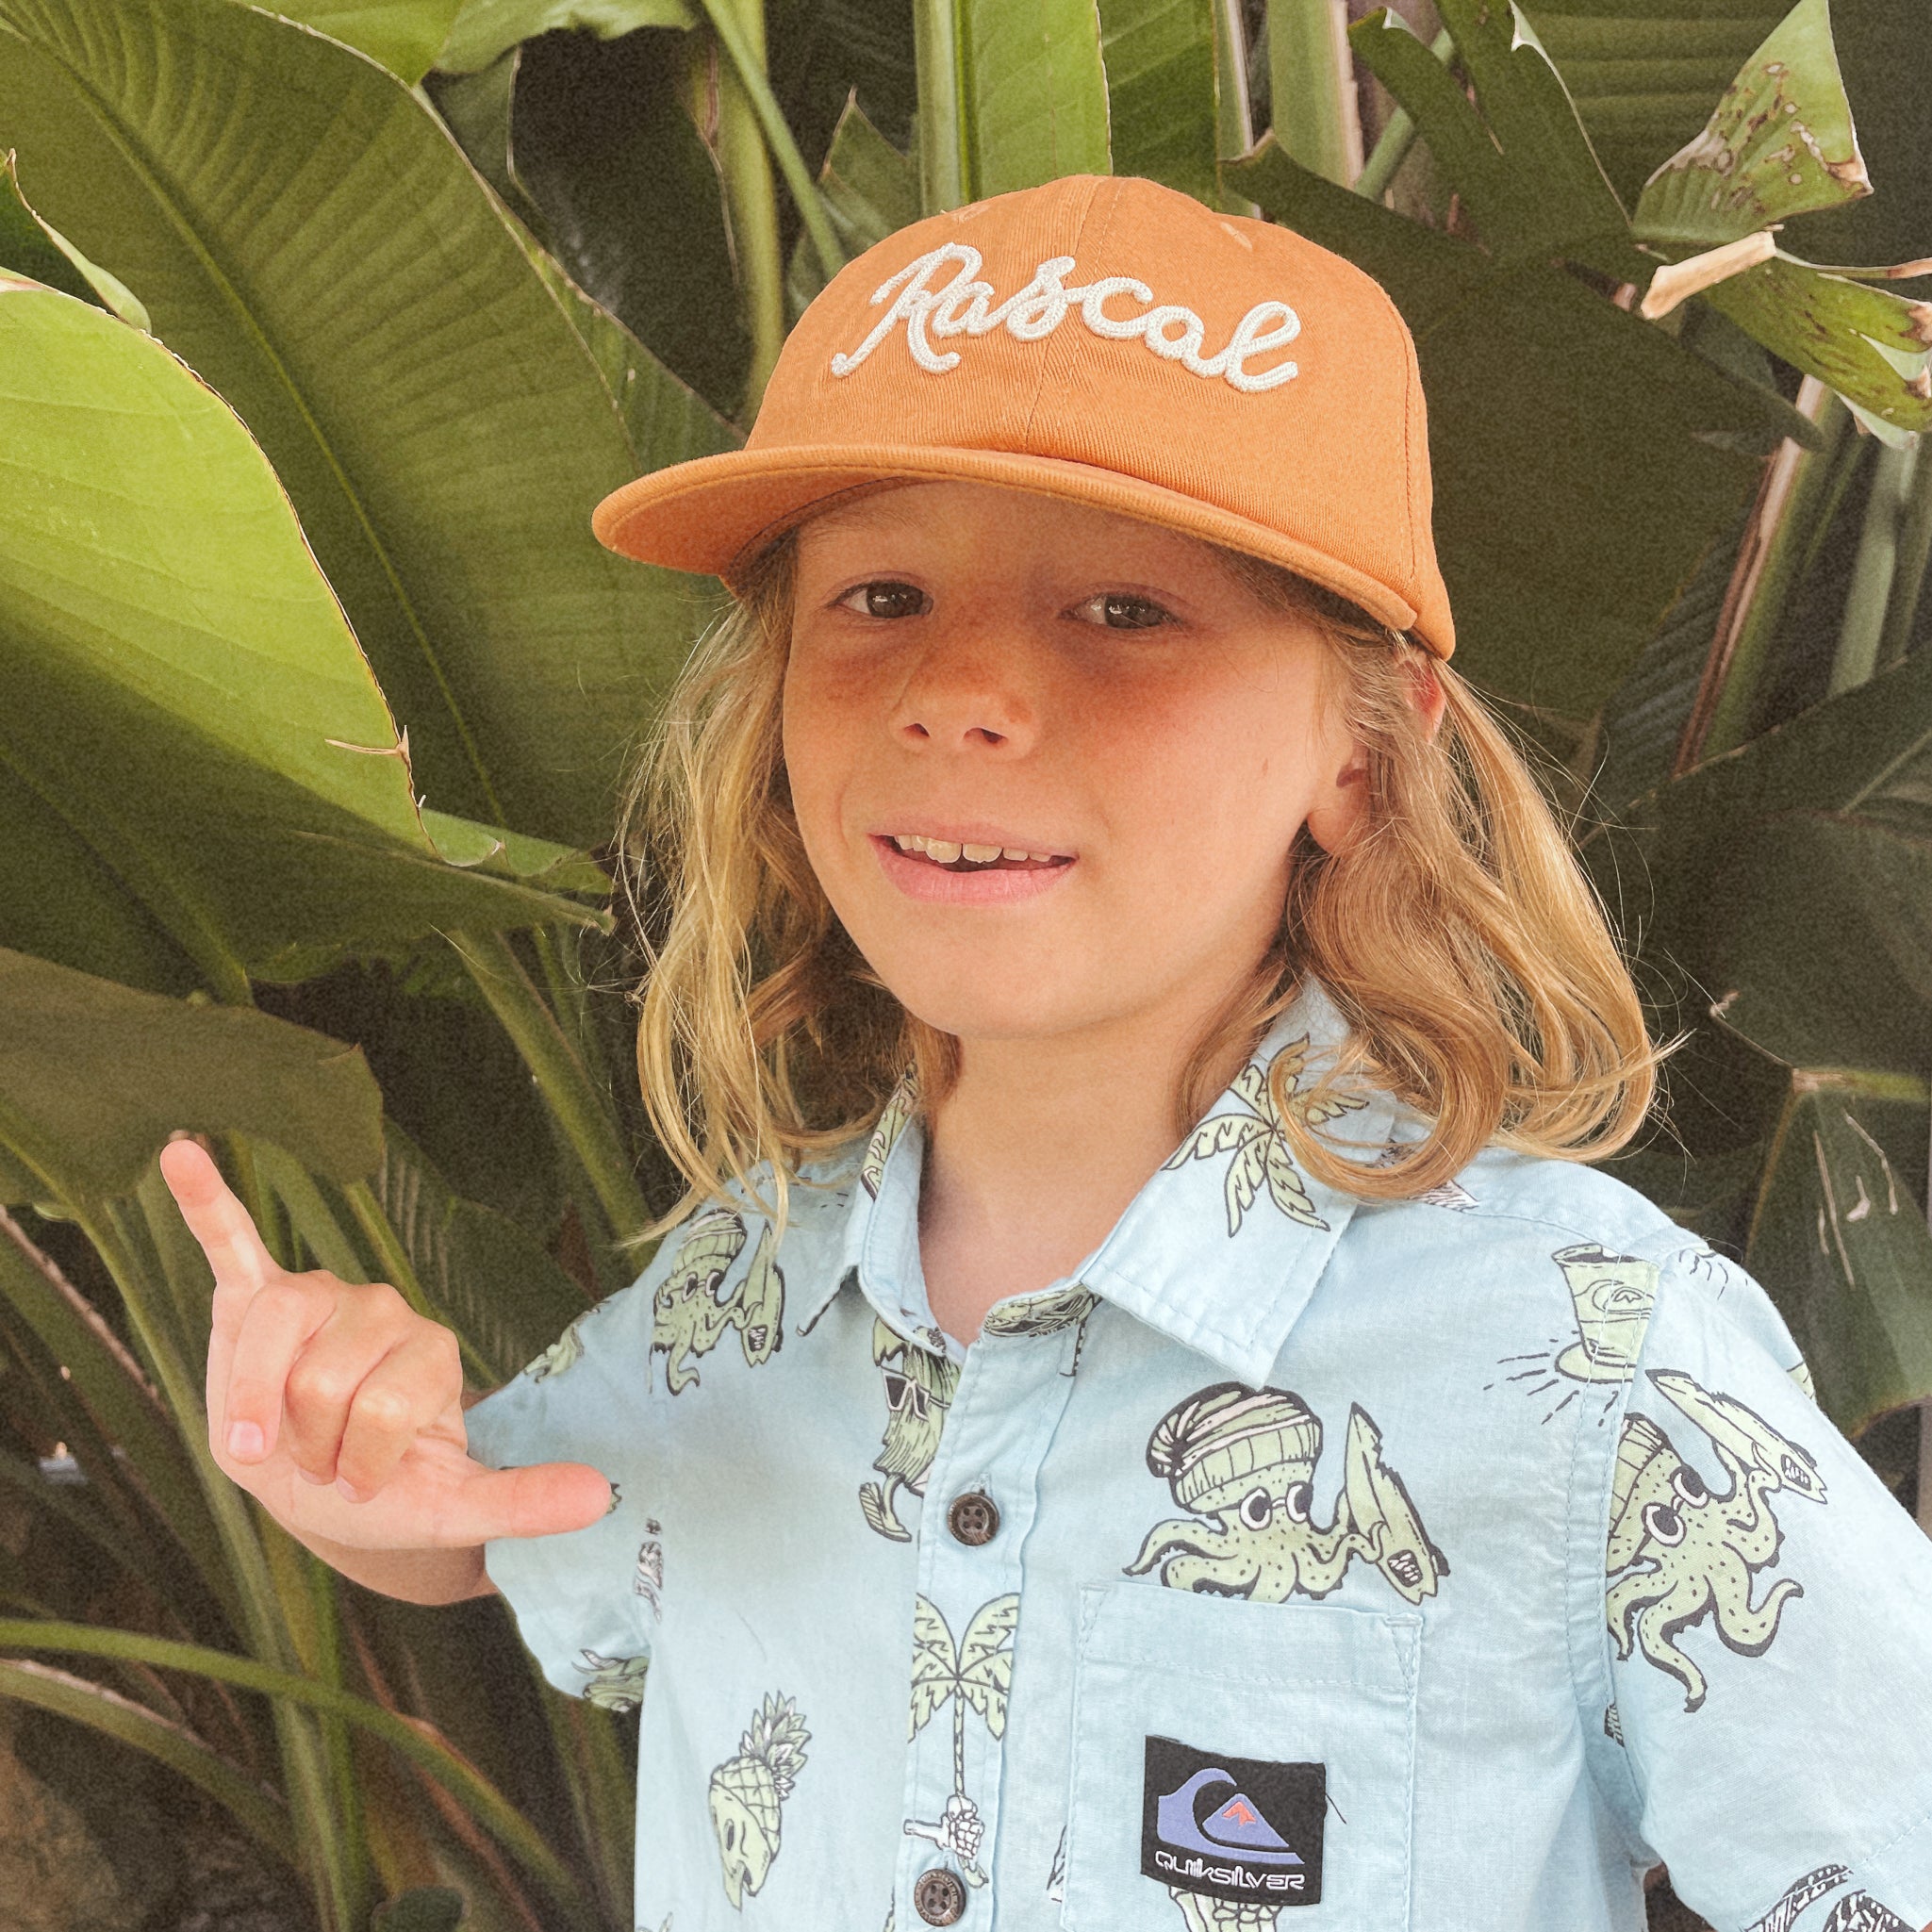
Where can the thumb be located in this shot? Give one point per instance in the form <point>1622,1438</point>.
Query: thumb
<point>544,1499</point>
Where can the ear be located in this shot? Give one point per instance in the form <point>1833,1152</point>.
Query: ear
<point>1336,818</point>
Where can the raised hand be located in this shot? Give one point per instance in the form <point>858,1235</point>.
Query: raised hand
<point>339,1408</point>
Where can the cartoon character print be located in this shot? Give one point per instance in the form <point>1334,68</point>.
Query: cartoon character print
<point>976,1675</point>
<point>748,1792</point>
<point>563,1353</point>
<point>616,1683</point>
<point>899,1109</point>
<point>1680,1551</point>
<point>1045,1314</point>
<point>1858,1911</point>
<point>1259,1141</point>
<point>647,1579</point>
<point>1610,1300</point>
<point>1244,1459</point>
<point>690,1314</point>
<point>918,1391</point>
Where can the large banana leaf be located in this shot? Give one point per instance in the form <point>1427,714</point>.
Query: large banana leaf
<point>94,1076</point>
<point>1644,74</point>
<point>1031,92</point>
<point>198,770</point>
<point>1777,143</point>
<point>1568,512</point>
<point>1161,96</point>
<point>308,236</point>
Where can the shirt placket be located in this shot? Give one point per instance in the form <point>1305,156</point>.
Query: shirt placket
<point>982,1497</point>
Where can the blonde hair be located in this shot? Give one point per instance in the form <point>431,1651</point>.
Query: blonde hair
<point>1456,933</point>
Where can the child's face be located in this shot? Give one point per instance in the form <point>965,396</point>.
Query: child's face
<point>986,668</point>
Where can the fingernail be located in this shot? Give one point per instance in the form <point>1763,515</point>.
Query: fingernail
<point>310,1476</point>
<point>245,1439</point>
<point>617,1496</point>
<point>349,1490</point>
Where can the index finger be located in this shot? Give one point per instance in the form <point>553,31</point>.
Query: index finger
<point>216,1217</point>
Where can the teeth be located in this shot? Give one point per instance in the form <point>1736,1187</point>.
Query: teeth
<point>946,851</point>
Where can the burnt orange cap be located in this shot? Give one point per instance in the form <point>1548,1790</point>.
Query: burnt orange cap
<point>1103,339</point>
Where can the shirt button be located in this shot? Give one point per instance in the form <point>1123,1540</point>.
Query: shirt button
<point>939,1898</point>
<point>973,1518</point>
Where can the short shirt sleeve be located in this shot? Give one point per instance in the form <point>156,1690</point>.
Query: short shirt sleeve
<point>1769,1614</point>
<point>578,1596</point>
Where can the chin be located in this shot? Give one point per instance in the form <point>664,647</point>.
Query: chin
<point>983,1008</point>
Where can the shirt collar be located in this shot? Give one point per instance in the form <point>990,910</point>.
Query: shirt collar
<point>1219,1251</point>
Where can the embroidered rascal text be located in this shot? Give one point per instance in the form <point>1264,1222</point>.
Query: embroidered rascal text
<point>964,305</point>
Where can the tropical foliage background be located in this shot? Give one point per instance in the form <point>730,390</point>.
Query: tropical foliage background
<point>320,333</point>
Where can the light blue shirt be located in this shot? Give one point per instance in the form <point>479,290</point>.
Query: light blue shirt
<point>1442,1563</point>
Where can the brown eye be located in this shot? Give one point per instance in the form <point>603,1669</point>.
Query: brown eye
<point>885,598</point>
<point>1121,610</point>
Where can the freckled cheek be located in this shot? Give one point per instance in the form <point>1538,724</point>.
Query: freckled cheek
<point>820,739</point>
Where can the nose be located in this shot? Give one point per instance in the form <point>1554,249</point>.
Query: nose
<point>969,693</point>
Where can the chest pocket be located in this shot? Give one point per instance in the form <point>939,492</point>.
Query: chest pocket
<point>1281,1738</point>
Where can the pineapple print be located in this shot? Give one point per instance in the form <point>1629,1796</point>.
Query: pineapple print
<point>1258,1142</point>
<point>748,1791</point>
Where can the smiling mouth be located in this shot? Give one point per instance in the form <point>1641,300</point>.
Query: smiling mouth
<point>951,857</point>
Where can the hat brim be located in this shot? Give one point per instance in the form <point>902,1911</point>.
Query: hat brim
<point>716,514</point>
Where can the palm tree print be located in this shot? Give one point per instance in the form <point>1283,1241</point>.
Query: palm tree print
<point>1259,1142</point>
<point>976,1674</point>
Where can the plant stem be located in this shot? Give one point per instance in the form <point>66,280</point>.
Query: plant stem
<point>1312,83</point>
<point>944,171</point>
<point>1874,569</point>
<point>752,202</point>
<point>1796,484</point>
<point>1234,111</point>
<point>397,1268</point>
<point>582,1113</point>
<point>1914,552</point>
<point>1396,138</point>
<point>784,150</point>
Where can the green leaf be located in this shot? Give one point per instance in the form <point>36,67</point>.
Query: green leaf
<point>417,1741</point>
<point>1160,64</point>
<point>402,35</point>
<point>488,1278</point>
<point>1035,103</point>
<point>1793,876</point>
<point>1562,195</point>
<point>1524,165</point>
<point>872,190</point>
<point>422,395</point>
<point>30,248</point>
<point>94,1077</point>
<point>1841,1244</point>
<point>596,140</point>
<point>190,724</point>
<point>484,29</point>
<point>259,1811</point>
<point>1870,345</point>
<point>1581,460</point>
<point>1778,143</point>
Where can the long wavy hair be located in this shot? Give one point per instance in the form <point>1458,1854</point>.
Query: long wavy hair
<point>1456,933</point>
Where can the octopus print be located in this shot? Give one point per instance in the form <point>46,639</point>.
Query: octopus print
<point>1680,1551</point>
<point>1241,1462</point>
<point>690,1314</point>
<point>1259,1141</point>
<point>918,1391</point>
<point>747,1795</point>
<point>973,1675</point>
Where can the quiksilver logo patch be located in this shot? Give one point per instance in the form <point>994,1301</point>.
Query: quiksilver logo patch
<point>1239,1828</point>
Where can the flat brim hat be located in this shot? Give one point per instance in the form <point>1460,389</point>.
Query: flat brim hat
<point>1103,341</point>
